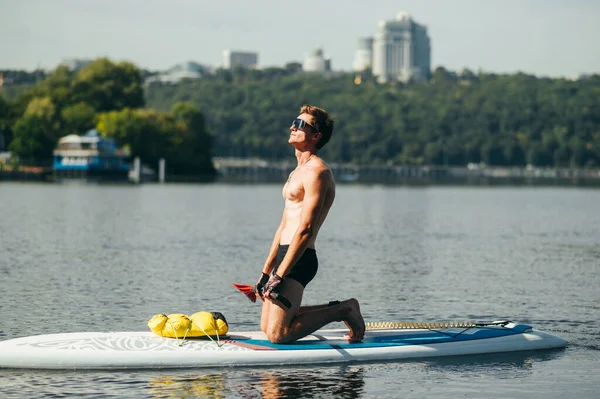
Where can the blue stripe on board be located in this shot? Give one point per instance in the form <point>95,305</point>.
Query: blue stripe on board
<point>400,339</point>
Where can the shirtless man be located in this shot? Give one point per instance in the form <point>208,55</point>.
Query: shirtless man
<point>292,261</point>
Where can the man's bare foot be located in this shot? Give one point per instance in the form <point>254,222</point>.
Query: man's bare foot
<point>354,321</point>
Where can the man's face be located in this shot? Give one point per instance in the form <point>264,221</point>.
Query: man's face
<point>302,132</point>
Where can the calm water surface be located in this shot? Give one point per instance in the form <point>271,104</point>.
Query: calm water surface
<point>79,257</point>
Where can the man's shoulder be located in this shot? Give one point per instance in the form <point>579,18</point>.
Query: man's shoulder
<point>320,171</point>
<point>320,168</point>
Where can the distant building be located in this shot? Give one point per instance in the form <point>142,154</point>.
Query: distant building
<point>5,157</point>
<point>316,62</point>
<point>400,51</point>
<point>582,76</point>
<point>363,58</point>
<point>90,154</point>
<point>186,70</point>
<point>75,64</point>
<point>231,59</point>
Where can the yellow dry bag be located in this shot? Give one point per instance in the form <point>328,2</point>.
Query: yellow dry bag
<point>200,324</point>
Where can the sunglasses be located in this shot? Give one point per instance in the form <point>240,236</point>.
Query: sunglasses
<point>300,124</point>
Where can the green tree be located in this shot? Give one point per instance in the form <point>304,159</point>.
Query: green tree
<point>107,86</point>
<point>78,118</point>
<point>57,86</point>
<point>33,140</point>
<point>6,122</point>
<point>537,155</point>
<point>36,132</point>
<point>434,153</point>
<point>179,137</point>
<point>139,130</point>
<point>41,107</point>
<point>191,144</point>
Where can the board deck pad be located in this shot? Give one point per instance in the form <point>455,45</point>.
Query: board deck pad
<point>391,339</point>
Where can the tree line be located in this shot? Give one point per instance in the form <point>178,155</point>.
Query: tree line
<point>453,119</point>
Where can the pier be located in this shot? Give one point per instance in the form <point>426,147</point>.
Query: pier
<point>243,170</point>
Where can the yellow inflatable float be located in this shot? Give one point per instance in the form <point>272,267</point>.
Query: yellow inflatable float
<point>200,324</point>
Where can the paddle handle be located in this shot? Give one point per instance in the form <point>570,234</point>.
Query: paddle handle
<point>250,292</point>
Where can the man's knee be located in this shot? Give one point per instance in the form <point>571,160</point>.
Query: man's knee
<point>263,326</point>
<point>263,329</point>
<point>277,335</point>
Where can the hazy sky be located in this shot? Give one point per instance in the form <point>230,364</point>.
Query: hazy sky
<point>543,37</point>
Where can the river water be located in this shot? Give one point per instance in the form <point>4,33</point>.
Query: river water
<point>85,257</point>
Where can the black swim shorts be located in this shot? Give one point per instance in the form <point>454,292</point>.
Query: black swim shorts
<point>304,270</point>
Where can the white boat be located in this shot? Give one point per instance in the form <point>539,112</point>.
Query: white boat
<point>382,341</point>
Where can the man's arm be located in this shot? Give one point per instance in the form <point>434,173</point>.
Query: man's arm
<point>315,189</point>
<point>270,262</point>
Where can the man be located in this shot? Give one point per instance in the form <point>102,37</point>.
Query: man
<point>292,262</point>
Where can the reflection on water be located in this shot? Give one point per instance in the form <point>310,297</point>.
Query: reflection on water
<point>345,382</point>
<point>304,383</point>
<point>192,386</point>
<point>516,363</point>
<point>285,382</point>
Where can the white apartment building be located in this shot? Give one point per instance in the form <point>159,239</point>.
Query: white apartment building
<point>231,59</point>
<point>316,62</point>
<point>186,70</point>
<point>400,51</point>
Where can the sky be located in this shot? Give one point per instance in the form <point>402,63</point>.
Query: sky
<point>556,38</point>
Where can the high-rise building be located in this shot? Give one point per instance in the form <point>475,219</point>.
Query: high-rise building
<point>399,51</point>
<point>231,59</point>
<point>363,58</point>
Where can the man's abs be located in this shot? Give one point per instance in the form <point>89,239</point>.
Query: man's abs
<point>293,211</point>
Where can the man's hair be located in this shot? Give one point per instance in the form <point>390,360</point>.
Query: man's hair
<point>322,122</point>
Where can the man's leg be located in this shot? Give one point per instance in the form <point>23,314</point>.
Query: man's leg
<point>287,325</point>
<point>273,311</point>
<point>266,306</point>
<point>327,305</point>
<point>317,307</point>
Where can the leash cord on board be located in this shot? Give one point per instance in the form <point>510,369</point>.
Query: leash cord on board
<point>435,327</point>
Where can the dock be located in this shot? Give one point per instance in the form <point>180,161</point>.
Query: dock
<point>243,170</point>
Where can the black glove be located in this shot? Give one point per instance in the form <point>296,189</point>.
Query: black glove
<point>272,285</point>
<point>260,284</point>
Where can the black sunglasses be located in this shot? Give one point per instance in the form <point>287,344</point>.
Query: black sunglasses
<point>300,123</point>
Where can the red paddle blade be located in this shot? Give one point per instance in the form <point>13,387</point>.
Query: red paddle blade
<point>247,290</point>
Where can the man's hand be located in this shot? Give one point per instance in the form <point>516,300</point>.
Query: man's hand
<point>260,284</point>
<point>272,285</point>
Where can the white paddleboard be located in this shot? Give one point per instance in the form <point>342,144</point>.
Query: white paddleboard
<point>145,350</point>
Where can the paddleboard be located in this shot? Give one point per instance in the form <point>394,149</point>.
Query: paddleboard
<point>382,341</point>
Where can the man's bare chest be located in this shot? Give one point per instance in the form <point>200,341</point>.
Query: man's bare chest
<point>293,190</point>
